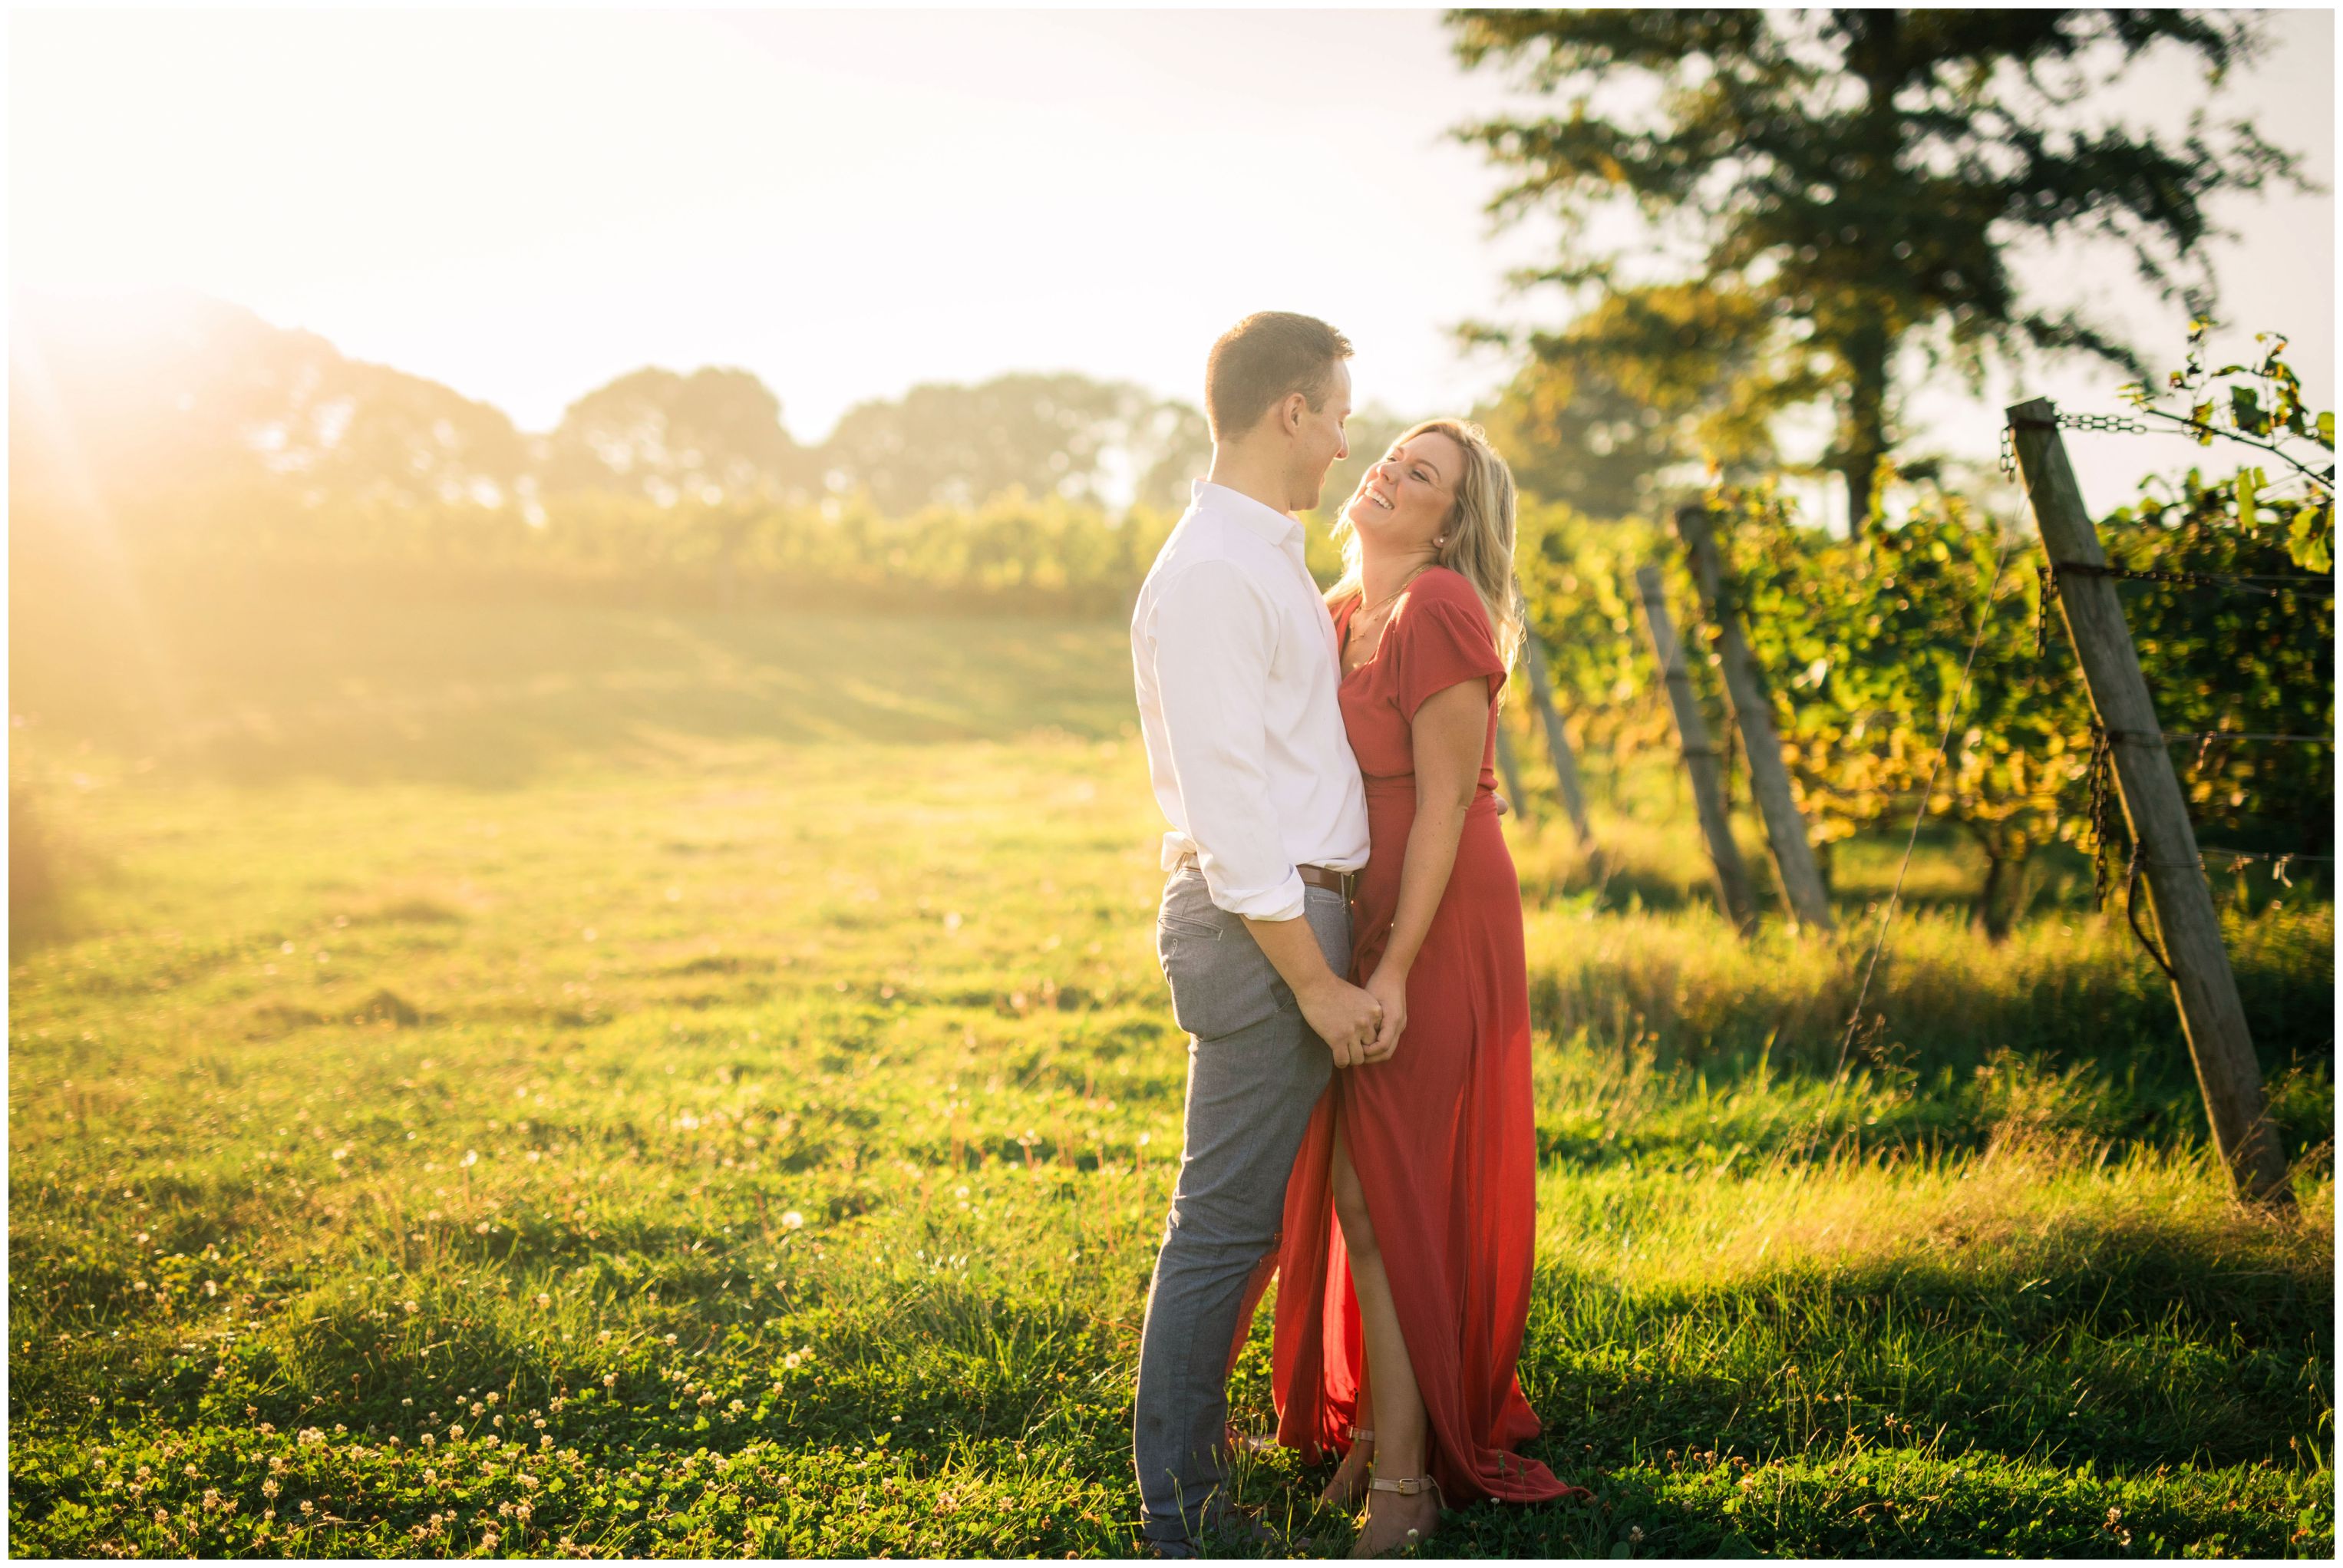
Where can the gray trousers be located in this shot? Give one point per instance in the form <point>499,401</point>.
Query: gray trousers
<point>1255,1071</point>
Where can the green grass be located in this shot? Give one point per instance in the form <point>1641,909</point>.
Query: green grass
<point>736,1044</point>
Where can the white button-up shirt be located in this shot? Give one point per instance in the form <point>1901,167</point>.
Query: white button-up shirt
<point>1237,669</point>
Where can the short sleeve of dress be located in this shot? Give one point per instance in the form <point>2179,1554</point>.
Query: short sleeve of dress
<point>1444,639</point>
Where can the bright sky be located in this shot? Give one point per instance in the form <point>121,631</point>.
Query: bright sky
<point>523,204</point>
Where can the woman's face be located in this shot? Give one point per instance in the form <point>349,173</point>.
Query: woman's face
<point>1404,502</point>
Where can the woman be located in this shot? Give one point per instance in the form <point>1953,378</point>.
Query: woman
<point>1409,1222</point>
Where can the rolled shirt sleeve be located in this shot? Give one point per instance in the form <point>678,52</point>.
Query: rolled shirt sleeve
<point>1215,634</point>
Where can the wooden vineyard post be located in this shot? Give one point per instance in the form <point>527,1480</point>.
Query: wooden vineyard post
<point>2211,1016</point>
<point>1557,744</point>
<point>1732,892</point>
<point>1752,709</point>
<point>1510,771</point>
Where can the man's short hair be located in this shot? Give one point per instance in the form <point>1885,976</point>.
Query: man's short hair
<point>1265,358</point>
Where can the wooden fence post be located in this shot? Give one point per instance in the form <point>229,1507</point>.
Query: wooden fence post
<point>1557,743</point>
<point>1752,709</point>
<point>1732,892</point>
<point>2211,1016</point>
<point>1510,772</point>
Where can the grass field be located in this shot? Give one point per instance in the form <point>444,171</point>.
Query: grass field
<point>500,1083</point>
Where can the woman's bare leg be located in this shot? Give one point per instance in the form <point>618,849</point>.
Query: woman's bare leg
<point>1400,1436</point>
<point>1350,1482</point>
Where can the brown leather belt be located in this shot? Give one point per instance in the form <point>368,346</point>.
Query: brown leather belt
<point>1343,882</point>
<point>1334,881</point>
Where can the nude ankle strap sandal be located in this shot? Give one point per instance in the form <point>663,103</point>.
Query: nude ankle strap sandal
<point>1361,1434</point>
<point>1407,1486</point>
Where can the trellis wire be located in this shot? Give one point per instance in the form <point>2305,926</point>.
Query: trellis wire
<point>1895,894</point>
<point>2101,767</point>
<point>2286,584</point>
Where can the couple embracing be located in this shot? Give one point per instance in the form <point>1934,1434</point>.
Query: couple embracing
<point>1341,933</point>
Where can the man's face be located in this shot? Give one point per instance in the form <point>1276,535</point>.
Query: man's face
<point>1320,443</point>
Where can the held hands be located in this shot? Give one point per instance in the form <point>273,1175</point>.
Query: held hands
<point>1388,986</point>
<point>1345,1016</point>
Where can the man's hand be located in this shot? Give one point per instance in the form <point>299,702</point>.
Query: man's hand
<point>1345,1016</point>
<point>1388,986</point>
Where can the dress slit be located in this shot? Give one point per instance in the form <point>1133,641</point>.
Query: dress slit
<point>1441,1133</point>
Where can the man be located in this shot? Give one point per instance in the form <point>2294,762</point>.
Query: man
<point>1237,671</point>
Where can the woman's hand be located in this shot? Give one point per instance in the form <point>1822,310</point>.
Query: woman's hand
<point>1389,987</point>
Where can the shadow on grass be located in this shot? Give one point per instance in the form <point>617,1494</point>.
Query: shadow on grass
<point>2126,1350</point>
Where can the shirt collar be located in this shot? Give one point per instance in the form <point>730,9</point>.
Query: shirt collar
<point>1272,526</point>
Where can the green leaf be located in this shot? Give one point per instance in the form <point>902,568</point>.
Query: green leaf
<point>2246,409</point>
<point>2310,539</point>
<point>2249,484</point>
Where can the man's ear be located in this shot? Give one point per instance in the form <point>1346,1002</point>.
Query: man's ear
<point>1289,412</point>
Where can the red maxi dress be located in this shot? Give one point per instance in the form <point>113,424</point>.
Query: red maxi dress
<point>1441,1133</point>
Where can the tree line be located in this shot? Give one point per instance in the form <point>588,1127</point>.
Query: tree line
<point>135,407</point>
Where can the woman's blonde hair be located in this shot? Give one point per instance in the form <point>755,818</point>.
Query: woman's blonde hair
<point>1479,533</point>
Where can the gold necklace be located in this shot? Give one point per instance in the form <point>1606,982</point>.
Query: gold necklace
<point>1394,594</point>
<point>1353,627</point>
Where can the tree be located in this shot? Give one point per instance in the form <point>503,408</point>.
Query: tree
<point>1852,183</point>
<point>138,405</point>
<point>1064,435</point>
<point>1644,378</point>
<point>713,435</point>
